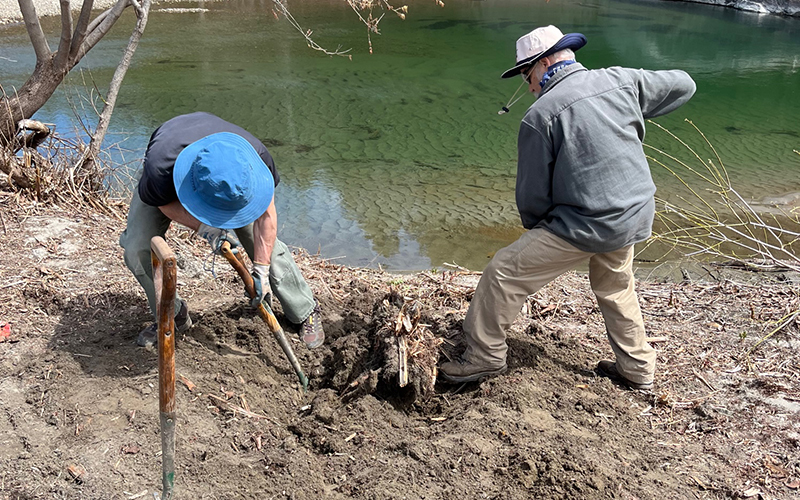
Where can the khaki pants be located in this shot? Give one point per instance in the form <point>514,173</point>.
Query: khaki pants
<point>531,262</point>
<point>285,279</point>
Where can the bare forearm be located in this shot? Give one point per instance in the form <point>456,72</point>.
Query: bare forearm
<point>177,213</point>
<point>265,230</point>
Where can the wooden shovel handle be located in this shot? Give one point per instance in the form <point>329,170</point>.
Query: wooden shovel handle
<point>265,313</point>
<point>268,316</point>
<point>165,277</point>
<point>241,270</point>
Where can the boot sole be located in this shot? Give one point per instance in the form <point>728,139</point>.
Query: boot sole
<point>455,379</point>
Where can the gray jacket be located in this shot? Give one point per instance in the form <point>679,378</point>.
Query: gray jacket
<point>582,173</point>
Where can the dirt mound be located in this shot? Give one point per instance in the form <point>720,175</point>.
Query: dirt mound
<point>365,347</point>
<point>79,400</point>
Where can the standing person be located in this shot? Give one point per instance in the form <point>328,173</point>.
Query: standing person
<point>584,193</point>
<point>213,176</point>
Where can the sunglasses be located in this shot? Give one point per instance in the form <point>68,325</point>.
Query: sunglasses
<point>526,74</point>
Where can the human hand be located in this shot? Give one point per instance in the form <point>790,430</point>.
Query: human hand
<point>215,236</point>
<point>260,274</point>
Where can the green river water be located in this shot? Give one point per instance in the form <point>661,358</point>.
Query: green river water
<point>399,158</point>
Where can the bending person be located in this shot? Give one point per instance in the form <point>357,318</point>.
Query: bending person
<point>216,178</point>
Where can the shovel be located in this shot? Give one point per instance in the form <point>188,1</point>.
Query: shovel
<point>265,312</point>
<point>165,275</point>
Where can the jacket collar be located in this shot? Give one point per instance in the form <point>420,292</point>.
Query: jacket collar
<point>558,77</point>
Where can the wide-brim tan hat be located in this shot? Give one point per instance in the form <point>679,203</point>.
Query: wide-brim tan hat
<point>540,43</point>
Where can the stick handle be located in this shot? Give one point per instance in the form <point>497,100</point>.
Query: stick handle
<point>165,277</point>
<point>239,267</point>
<point>265,313</point>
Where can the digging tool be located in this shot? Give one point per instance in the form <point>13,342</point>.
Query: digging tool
<point>165,276</point>
<point>265,312</point>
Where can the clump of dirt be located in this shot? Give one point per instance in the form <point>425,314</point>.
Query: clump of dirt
<point>79,401</point>
<point>397,353</point>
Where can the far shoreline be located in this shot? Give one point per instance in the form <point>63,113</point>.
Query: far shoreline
<point>10,14</point>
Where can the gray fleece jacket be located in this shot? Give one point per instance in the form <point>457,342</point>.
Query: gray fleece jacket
<point>581,172</point>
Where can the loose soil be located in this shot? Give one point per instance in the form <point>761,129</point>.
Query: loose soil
<point>79,413</point>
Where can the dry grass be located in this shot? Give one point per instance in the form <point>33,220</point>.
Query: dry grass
<point>49,175</point>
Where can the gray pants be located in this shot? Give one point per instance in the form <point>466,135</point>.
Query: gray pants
<point>145,221</point>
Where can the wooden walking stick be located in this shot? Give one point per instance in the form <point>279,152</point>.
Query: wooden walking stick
<point>165,276</point>
<point>265,312</point>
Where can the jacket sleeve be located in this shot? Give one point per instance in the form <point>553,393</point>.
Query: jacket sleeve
<point>534,175</point>
<point>661,92</point>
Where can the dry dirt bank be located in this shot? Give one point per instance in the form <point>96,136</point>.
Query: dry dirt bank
<point>10,13</point>
<point>77,394</point>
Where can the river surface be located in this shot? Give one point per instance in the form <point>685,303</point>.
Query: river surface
<point>399,158</point>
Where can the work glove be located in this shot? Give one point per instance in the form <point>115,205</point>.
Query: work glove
<point>260,274</point>
<point>215,236</point>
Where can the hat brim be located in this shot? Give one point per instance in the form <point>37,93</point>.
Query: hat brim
<point>572,41</point>
<point>262,185</point>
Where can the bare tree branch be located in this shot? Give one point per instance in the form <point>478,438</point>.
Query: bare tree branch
<point>99,30</point>
<point>306,32</point>
<point>66,36</point>
<point>116,82</point>
<point>716,220</point>
<point>81,27</point>
<point>38,40</point>
<point>97,20</point>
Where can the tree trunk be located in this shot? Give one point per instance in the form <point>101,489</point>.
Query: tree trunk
<point>27,101</point>
<point>52,67</point>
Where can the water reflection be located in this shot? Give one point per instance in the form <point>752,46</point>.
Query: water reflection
<point>419,201</point>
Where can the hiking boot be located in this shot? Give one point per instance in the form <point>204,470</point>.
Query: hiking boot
<point>608,369</point>
<point>311,329</point>
<point>460,370</point>
<point>182,320</point>
<point>149,336</point>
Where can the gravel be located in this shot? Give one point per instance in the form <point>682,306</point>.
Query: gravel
<point>9,9</point>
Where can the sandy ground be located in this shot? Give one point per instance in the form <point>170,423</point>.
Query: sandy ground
<point>9,9</point>
<point>79,401</point>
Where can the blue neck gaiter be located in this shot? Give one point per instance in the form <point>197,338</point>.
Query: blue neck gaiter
<point>552,70</point>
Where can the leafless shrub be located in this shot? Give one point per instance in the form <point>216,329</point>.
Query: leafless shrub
<point>710,218</point>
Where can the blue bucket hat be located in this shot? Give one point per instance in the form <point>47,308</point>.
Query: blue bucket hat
<point>222,181</point>
<point>540,43</point>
